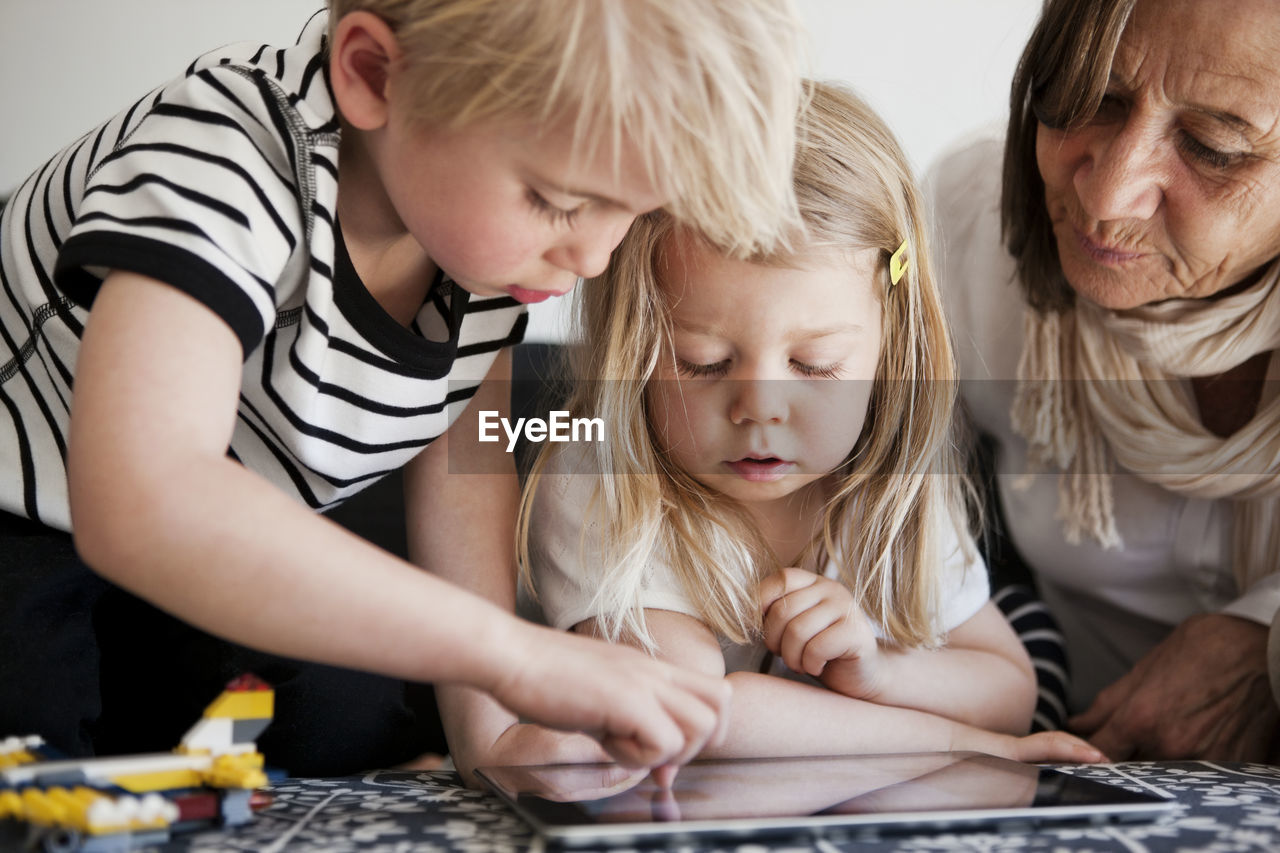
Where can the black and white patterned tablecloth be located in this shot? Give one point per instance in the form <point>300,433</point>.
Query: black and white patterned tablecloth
<point>1223,808</point>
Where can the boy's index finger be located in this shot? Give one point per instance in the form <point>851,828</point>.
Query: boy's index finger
<point>664,776</point>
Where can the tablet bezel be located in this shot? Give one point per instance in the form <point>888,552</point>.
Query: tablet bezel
<point>568,825</point>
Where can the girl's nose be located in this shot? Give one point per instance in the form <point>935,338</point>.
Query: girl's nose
<point>761,401</point>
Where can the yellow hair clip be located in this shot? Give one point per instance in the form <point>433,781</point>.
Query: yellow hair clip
<point>898,264</point>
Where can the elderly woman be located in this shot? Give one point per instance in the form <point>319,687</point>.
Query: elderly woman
<point>1122,268</point>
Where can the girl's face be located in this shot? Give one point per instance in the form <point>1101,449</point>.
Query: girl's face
<point>765,388</point>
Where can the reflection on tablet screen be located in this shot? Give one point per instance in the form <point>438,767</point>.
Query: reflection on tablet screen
<point>789,787</point>
<point>580,803</point>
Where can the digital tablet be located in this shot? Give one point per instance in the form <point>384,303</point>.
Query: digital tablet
<point>573,805</point>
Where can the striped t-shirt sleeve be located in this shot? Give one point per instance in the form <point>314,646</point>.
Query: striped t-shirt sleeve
<point>200,194</point>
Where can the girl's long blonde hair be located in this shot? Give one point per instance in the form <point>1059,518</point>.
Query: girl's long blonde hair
<point>902,483</point>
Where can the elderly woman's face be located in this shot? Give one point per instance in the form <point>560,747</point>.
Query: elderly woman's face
<point>1173,188</point>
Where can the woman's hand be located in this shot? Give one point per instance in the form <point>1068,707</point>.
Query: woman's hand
<point>812,624</point>
<point>1203,692</point>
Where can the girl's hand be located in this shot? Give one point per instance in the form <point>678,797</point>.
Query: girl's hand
<point>812,624</point>
<point>1039,748</point>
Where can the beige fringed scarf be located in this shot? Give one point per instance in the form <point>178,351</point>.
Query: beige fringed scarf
<point>1131,407</point>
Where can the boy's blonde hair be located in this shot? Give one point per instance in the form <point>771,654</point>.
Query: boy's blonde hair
<point>707,89</point>
<point>893,499</point>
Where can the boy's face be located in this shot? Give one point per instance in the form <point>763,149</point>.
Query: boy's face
<point>765,388</point>
<point>505,210</point>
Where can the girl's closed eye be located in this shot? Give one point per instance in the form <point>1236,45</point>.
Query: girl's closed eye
<point>555,214</point>
<point>818,371</point>
<point>694,370</point>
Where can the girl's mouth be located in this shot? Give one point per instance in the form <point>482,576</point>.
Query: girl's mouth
<point>764,470</point>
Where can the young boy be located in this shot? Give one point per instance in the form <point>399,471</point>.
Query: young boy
<point>286,274</point>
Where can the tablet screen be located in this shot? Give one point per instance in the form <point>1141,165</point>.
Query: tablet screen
<point>599,802</point>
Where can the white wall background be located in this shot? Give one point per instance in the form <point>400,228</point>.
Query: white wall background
<point>935,69</point>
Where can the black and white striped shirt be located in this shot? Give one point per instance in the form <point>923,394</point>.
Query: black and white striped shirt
<point>223,183</point>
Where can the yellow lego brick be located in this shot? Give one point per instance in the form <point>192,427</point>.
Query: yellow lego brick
<point>10,804</point>
<point>245,759</point>
<point>13,759</point>
<point>248,705</point>
<point>41,808</point>
<point>236,779</point>
<point>161,780</point>
<point>85,798</point>
<point>236,771</point>
<point>71,807</point>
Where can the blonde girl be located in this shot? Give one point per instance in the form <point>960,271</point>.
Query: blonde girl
<point>778,492</point>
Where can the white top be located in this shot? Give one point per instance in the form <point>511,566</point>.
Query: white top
<point>223,183</point>
<point>1114,605</point>
<point>565,556</point>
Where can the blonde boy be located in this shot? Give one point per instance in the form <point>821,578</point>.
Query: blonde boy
<point>287,273</point>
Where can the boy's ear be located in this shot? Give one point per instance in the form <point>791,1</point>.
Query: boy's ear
<point>361,60</point>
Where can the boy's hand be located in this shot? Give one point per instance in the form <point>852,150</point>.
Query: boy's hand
<point>812,624</point>
<point>525,743</point>
<point>644,713</point>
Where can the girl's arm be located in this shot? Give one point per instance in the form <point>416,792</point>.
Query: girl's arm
<point>982,676</point>
<point>776,716</point>
<point>160,509</point>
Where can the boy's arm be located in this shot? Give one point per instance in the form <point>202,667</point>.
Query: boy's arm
<point>461,525</point>
<point>439,508</point>
<point>982,676</point>
<point>440,505</point>
<point>160,509</point>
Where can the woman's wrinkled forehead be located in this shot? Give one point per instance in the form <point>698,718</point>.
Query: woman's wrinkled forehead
<point>1216,58</point>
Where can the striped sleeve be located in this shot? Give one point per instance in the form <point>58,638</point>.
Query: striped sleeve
<point>200,193</point>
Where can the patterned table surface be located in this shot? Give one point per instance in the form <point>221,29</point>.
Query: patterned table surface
<point>1222,808</point>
